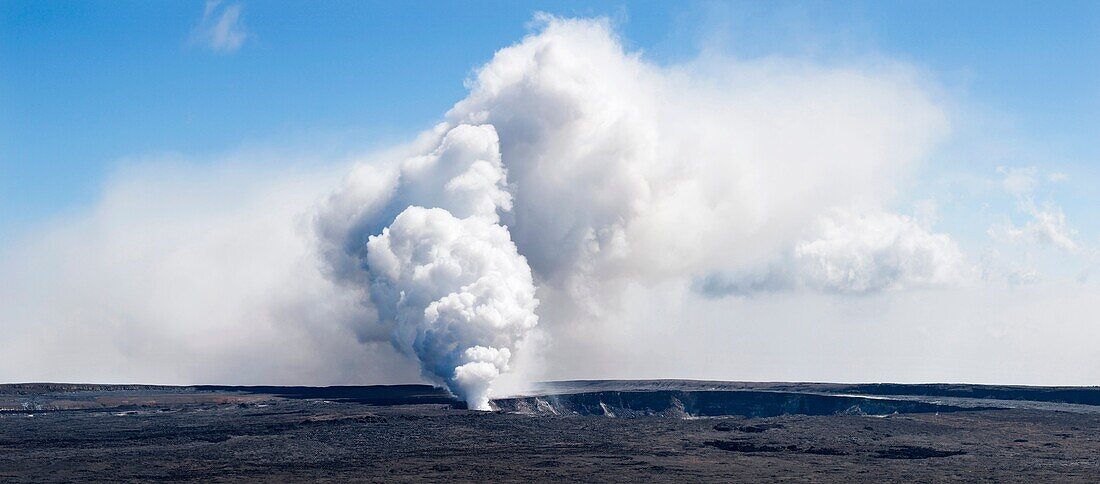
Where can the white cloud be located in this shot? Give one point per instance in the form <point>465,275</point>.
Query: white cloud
<point>221,28</point>
<point>1019,181</point>
<point>1047,222</point>
<point>879,251</point>
<point>1047,225</point>
<point>856,253</point>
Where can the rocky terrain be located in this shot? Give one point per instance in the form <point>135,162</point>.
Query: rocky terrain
<point>575,431</point>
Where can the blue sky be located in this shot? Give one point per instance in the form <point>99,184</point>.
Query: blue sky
<point>85,86</point>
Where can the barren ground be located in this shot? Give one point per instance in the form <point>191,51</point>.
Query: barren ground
<point>214,436</point>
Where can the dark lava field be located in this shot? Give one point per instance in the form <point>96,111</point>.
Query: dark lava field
<point>597,431</point>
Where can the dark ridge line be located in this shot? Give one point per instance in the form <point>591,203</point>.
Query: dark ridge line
<point>717,403</point>
<point>1082,395</point>
<point>381,395</point>
<point>780,382</point>
<point>370,394</point>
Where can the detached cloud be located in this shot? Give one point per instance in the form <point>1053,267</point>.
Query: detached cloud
<point>1019,181</point>
<point>221,28</point>
<point>1047,224</point>
<point>879,251</point>
<point>854,253</point>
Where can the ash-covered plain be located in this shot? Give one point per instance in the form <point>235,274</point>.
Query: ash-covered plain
<point>568,431</point>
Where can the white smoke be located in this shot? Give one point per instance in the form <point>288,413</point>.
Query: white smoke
<point>188,273</point>
<point>623,170</point>
<point>446,281</point>
<point>605,169</point>
<point>459,294</point>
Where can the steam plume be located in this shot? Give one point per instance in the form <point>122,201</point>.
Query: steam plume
<point>445,277</point>
<point>459,294</point>
<point>601,169</point>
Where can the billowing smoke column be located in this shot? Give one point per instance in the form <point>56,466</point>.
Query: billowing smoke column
<point>443,274</point>
<point>459,292</point>
<point>583,168</point>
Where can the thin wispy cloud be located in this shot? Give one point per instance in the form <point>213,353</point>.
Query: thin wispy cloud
<point>1047,224</point>
<point>221,28</point>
